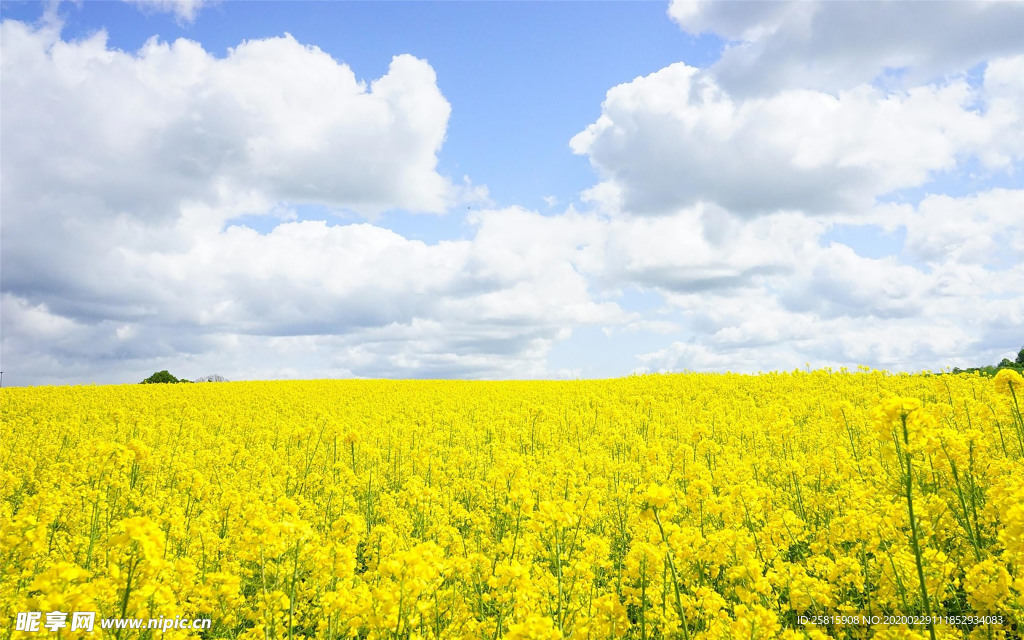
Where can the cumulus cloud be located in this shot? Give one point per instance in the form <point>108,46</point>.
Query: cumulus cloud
<point>896,345</point>
<point>124,171</point>
<point>721,183</point>
<point>677,137</point>
<point>703,248</point>
<point>314,299</point>
<point>144,132</point>
<point>101,146</point>
<point>128,176</point>
<point>827,305</point>
<point>831,46</point>
<point>982,229</point>
<point>814,111</point>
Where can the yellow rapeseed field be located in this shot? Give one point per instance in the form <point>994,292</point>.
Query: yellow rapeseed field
<point>785,505</point>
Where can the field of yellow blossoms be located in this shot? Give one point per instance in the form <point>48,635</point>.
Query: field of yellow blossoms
<point>784,505</point>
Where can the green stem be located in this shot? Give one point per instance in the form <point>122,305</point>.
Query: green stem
<point>291,595</point>
<point>1017,418</point>
<point>913,529</point>
<point>675,577</point>
<point>127,590</point>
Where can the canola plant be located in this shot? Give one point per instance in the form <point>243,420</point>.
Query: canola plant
<point>784,505</point>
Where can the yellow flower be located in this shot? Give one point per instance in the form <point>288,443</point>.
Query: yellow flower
<point>450,509</point>
<point>657,495</point>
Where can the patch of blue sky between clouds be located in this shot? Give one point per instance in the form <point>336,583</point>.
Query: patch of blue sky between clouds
<point>285,213</point>
<point>642,300</point>
<point>427,228</point>
<point>1004,258</point>
<point>891,79</point>
<point>968,178</point>
<point>975,76</point>
<point>894,80</point>
<point>867,240</point>
<point>591,352</point>
<point>601,352</point>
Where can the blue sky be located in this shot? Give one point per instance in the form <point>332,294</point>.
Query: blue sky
<point>507,189</point>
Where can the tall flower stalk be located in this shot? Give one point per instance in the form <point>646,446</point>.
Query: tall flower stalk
<point>914,541</point>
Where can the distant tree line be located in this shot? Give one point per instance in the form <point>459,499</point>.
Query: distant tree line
<point>1017,365</point>
<point>165,377</point>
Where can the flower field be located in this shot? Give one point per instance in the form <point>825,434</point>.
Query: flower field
<point>788,505</point>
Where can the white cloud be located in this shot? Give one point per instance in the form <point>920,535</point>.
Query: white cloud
<point>831,46</point>
<point>900,346</point>
<point>676,137</point>
<point>704,248</point>
<point>1003,95</point>
<point>307,299</point>
<point>126,175</point>
<point>692,356</point>
<point>748,163</point>
<point>121,171</point>
<point>779,299</point>
<point>143,133</point>
<point>184,10</point>
<point>982,229</point>
<point>310,299</point>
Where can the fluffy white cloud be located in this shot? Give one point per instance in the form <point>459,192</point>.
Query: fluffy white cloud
<point>832,46</point>
<point>123,173</point>
<point>313,299</point>
<point>316,299</point>
<point>829,306</point>
<point>900,346</point>
<point>703,248</point>
<point>721,183</point>
<point>126,176</point>
<point>676,137</point>
<point>141,133</point>
<point>982,229</point>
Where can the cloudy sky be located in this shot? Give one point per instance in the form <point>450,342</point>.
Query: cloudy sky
<point>508,190</point>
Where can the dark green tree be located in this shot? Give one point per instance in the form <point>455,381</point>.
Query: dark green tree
<point>160,377</point>
<point>1020,358</point>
